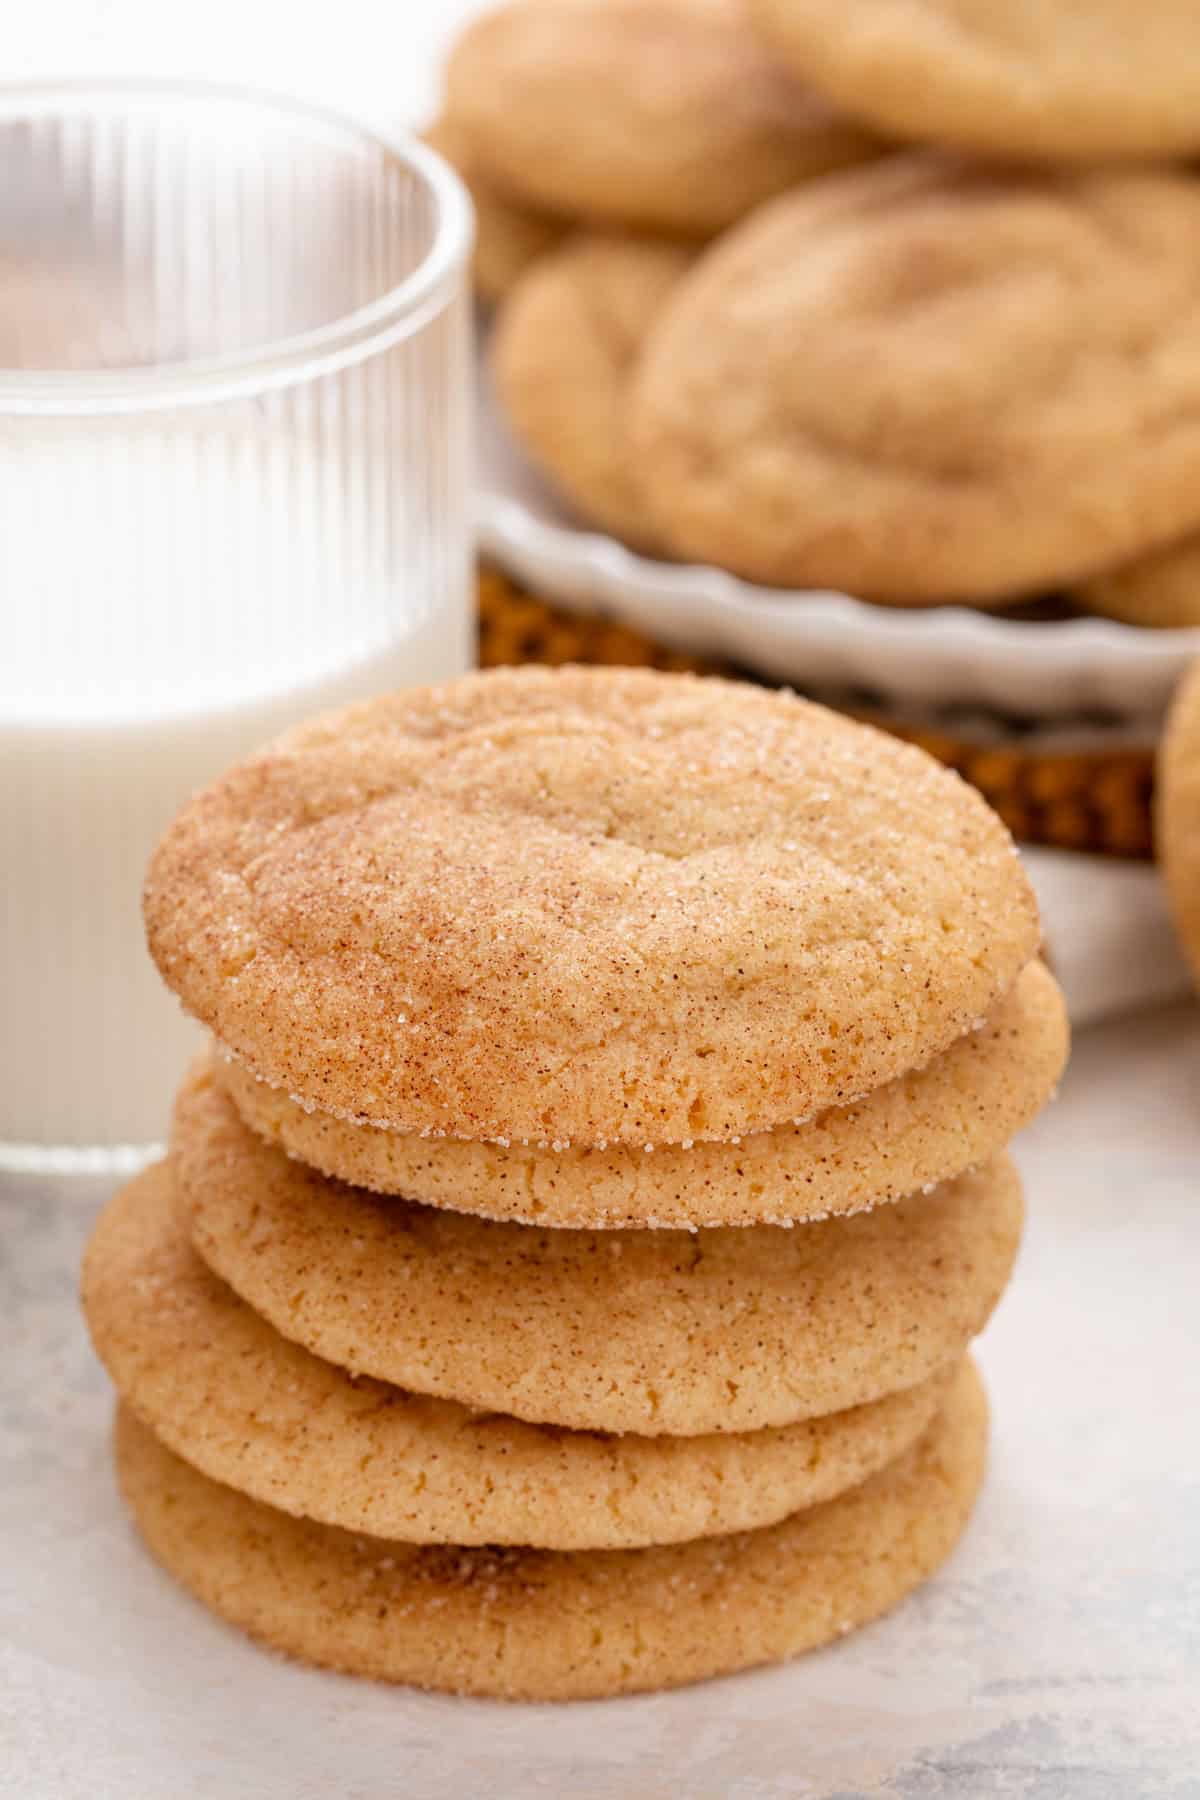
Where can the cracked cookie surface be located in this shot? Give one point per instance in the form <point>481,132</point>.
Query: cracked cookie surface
<point>907,383</point>
<point>1020,78</point>
<point>587,906</point>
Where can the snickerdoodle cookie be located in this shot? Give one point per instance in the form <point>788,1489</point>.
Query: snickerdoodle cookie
<point>1161,590</point>
<point>248,1407</point>
<point>555,1625</point>
<point>1038,78</point>
<point>1177,813</point>
<point>907,381</point>
<point>587,905</point>
<point>919,1129</point>
<point>660,1332</point>
<point>657,115</point>
<point>562,356</point>
<point>508,237</point>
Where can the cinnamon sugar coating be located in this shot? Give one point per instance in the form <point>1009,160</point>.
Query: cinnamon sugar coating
<point>921,1128</point>
<point>563,356</point>
<point>552,1625</point>
<point>250,1408</point>
<point>587,905</point>
<point>656,115</point>
<point>659,1332</point>
<point>907,381</point>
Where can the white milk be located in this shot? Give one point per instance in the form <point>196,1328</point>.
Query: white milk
<point>150,632</point>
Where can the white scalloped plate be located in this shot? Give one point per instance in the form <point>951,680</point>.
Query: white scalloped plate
<point>1041,670</point>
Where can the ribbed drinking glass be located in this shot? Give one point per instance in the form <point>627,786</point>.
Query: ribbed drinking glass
<point>234,439</point>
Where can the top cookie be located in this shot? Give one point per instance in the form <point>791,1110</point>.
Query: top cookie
<point>908,381</point>
<point>563,357</point>
<point>660,115</point>
<point>1026,78</point>
<point>587,905</point>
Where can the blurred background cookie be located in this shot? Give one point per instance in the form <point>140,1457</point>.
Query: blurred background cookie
<point>1044,78</point>
<point>658,115</point>
<point>907,382</point>
<point>487,851</point>
<point>1161,590</point>
<point>563,359</point>
<point>508,237</point>
<point>560,1625</point>
<point>1177,814</point>
<point>951,1114</point>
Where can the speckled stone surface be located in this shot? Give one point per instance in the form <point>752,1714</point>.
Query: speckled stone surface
<point>1055,1658</point>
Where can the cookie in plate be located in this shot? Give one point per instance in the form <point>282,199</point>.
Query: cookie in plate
<point>886,383</point>
<point>664,116</point>
<point>250,1408</point>
<point>562,357</point>
<point>509,237</point>
<point>1161,591</point>
<point>1043,79</point>
<point>1177,813</point>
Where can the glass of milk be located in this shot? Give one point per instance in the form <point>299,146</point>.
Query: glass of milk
<point>234,436</point>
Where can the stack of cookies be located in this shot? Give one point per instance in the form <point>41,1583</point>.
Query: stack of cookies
<point>746,323</point>
<point>561,1279</point>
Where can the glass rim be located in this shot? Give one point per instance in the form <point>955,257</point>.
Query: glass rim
<point>281,362</point>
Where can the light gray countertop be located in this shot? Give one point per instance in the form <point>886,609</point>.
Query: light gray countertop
<point>1057,1657</point>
